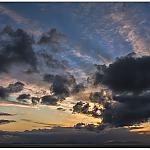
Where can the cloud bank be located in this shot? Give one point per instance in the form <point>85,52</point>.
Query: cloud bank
<point>128,78</point>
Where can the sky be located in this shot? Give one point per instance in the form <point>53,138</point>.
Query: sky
<point>63,53</point>
<point>99,29</point>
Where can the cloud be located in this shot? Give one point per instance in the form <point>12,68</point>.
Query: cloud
<point>37,122</point>
<point>13,103</point>
<point>47,61</point>
<point>56,40</point>
<point>23,97</point>
<point>12,14</point>
<point>62,85</point>
<point>98,76</point>
<point>84,56</point>
<point>129,79</point>
<point>5,114</point>
<point>96,30</point>
<point>78,87</point>
<point>35,100</point>
<point>49,100</point>
<point>129,29</point>
<point>3,92</point>
<point>88,108</point>
<point>16,87</point>
<point>6,121</point>
<point>16,47</point>
<point>128,74</point>
<point>48,78</point>
<point>120,29</point>
<point>128,110</point>
<point>20,53</point>
<point>33,27</point>
<point>97,97</point>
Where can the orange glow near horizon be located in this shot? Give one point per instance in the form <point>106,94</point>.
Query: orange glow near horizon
<point>29,118</point>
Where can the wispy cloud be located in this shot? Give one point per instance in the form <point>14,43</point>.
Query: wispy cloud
<point>37,122</point>
<point>33,26</point>
<point>130,31</point>
<point>117,28</point>
<point>12,103</point>
<point>6,114</point>
<point>6,121</point>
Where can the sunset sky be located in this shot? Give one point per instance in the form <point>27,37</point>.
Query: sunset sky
<point>63,53</point>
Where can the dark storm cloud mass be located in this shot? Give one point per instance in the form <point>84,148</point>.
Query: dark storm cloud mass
<point>16,47</point>
<point>129,77</point>
<point>129,111</point>
<point>126,74</point>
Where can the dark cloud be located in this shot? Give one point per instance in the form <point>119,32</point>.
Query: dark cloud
<point>53,38</point>
<point>16,87</point>
<point>62,85</point>
<point>85,108</point>
<point>79,125</point>
<point>35,100</point>
<point>96,97</point>
<point>101,97</point>
<point>90,127</point>
<point>12,88</point>
<point>128,110</point>
<point>98,75</point>
<point>23,97</point>
<point>78,107</point>
<point>129,79</point>
<point>3,92</point>
<point>78,87</point>
<point>60,89</point>
<point>16,47</point>
<point>6,121</point>
<point>48,78</point>
<point>127,74</point>
<point>5,114</point>
<point>60,108</point>
<point>98,78</point>
<point>49,100</point>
